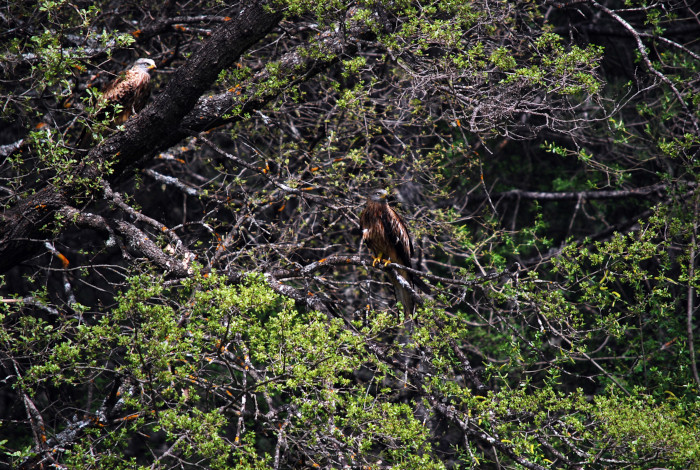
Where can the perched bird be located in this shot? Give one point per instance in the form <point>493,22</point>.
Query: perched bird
<point>386,234</point>
<point>124,96</point>
<point>130,91</point>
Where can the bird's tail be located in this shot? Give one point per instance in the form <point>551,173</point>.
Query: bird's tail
<point>402,294</point>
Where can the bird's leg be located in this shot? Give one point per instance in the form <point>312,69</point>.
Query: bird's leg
<point>377,259</point>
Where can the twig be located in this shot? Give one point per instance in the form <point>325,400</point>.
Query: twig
<point>303,193</point>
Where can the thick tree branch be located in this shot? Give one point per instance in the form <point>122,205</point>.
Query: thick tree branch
<point>137,240</point>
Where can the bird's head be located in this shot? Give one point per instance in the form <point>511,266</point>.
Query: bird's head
<point>378,195</point>
<point>146,64</point>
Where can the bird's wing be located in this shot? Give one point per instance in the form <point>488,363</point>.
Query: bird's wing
<point>130,91</point>
<point>397,236</point>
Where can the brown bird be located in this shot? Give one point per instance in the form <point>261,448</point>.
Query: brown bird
<point>123,97</point>
<point>386,234</point>
<point>128,93</point>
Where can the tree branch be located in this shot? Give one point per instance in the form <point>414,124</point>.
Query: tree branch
<point>580,195</point>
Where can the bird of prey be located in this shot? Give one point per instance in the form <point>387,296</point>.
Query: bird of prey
<point>386,234</point>
<point>124,96</point>
<point>128,93</point>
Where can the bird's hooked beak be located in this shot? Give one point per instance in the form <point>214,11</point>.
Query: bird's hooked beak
<point>147,64</point>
